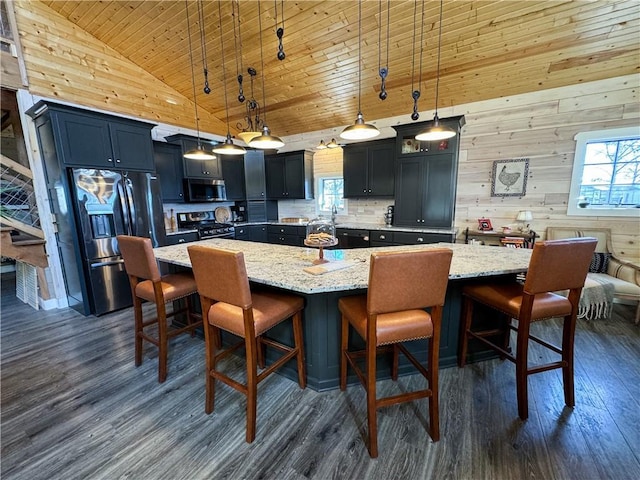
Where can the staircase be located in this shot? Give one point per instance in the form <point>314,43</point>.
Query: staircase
<point>22,238</point>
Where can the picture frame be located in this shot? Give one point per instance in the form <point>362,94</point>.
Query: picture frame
<point>484,225</point>
<point>509,177</point>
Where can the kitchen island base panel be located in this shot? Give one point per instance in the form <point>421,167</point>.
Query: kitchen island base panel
<point>321,327</point>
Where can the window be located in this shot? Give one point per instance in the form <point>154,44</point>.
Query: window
<point>331,192</point>
<point>606,174</point>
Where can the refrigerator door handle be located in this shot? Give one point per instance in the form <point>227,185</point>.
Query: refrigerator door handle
<point>106,264</point>
<point>132,206</point>
<point>123,205</point>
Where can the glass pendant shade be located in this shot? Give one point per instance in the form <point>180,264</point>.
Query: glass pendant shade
<point>266,140</point>
<point>360,130</point>
<point>228,148</point>
<point>246,137</point>
<point>199,154</point>
<point>436,132</point>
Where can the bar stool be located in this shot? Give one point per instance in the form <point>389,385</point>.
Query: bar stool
<point>401,285</point>
<point>148,285</point>
<point>555,265</point>
<point>230,305</point>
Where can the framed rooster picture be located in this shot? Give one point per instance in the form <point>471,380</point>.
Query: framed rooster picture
<point>509,178</point>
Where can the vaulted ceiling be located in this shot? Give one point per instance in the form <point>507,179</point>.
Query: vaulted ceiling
<point>490,49</point>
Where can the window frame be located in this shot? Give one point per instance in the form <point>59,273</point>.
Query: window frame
<point>320,191</point>
<point>582,139</point>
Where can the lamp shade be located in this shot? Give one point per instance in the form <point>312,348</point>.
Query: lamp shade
<point>266,140</point>
<point>524,216</point>
<point>360,130</point>
<point>228,148</point>
<point>246,137</point>
<point>199,154</point>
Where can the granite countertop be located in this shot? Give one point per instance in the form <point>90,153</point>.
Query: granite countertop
<point>282,266</point>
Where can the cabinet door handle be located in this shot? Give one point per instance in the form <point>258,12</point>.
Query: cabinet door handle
<point>382,237</point>
<point>369,190</point>
<point>364,191</point>
<point>420,239</point>
<point>117,160</point>
<point>181,240</point>
<point>110,160</point>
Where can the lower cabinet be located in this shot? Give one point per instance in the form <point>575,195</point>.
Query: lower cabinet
<point>182,238</point>
<point>387,238</point>
<point>287,235</point>
<point>252,233</point>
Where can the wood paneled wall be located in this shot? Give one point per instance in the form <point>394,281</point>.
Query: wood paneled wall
<point>66,63</point>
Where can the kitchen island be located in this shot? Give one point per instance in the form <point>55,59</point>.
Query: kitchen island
<point>282,267</point>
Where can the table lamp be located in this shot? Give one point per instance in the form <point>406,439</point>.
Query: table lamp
<point>524,218</point>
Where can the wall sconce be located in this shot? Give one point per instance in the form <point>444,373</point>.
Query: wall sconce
<point>524,218</point>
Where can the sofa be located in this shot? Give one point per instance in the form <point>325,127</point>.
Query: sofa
<point>609,274</point>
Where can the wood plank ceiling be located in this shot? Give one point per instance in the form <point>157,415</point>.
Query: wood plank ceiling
<point>490,49</point>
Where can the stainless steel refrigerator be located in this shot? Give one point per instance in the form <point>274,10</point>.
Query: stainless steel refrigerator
<point>110,203</point>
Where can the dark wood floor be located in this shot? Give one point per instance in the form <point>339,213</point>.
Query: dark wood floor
<point>75,407</point>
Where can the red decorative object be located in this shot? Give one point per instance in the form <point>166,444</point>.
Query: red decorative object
<point>484,225</point>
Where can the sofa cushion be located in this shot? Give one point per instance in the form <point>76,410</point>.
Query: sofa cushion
<point>621,287</point>
<point>599,262</point>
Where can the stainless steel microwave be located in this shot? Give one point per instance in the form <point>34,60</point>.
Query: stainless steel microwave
<point>204,190</point>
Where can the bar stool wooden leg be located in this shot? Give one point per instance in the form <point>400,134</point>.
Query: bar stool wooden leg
<point>568,333</point>
<point>372,417</point>
<point>252,387</point>
<point>137,308</point>
<point>163,341</point>
<point>465,325</point>
<point>522,379</point>
<point>432,374</point>
<point>344,341</point>
<point>299,344</point>
<point>394,363</point>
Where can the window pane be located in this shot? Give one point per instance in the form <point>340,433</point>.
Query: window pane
<point>331,193</point>
<point>600,153</point>
<point>593,174</point>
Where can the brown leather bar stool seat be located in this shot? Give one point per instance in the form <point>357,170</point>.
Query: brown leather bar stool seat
<point>229,304</point>
<point>555,265</point>
<point>401,286</point>
<point>147,285</point>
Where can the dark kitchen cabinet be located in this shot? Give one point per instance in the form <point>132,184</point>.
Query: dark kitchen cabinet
<point>426,177</point>
<point>252,233</point>
<point>95,140</point>
<point>179,238</point>
<point>254,175</point>
<point>168,162</point>
<point>289,175</point>
<point>286,235</point>
<point>233,175</point>
<point>262,211</point>
<point>369,169</point>
<point>206,169</point>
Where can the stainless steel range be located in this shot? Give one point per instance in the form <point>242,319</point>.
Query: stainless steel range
<point>206,225</point>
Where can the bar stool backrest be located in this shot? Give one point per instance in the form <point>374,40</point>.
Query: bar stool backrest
<point>397,281</point>
<point>557,265</point>
<point>139,260</point>
<point>221,275</point>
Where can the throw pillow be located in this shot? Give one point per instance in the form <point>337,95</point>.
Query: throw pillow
<point>599,262</point>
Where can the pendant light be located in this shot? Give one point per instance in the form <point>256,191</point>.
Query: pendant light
<point>321,145</point>
<point>437,132</point>
<point>228,147</point>
<point>265,140</point>
<point>360,130</point>
<point>332,144</point>
<point>197,153</point>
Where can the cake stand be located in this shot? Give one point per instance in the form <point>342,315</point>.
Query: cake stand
<point>320,246</point>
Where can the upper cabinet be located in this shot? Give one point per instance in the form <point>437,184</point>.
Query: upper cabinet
<point>233,175</point>
<point>168,161</point>
<point>289,175</point>
<point>197,168</point>
<point>254,176</point>
<point>85,139</point>
<point>369,169</point>
<point>426,176</point>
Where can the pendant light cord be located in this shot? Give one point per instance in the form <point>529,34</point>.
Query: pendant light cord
<point>413,46</point>
<point>224,72</point>
<point>359,53</point>
<point>203,47</point>
<point>237,40</point>
<point>438,69</point>
<point>193,77</point>
<point>421,46</point>
<point>264,96</point>
<point>383,71</point>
